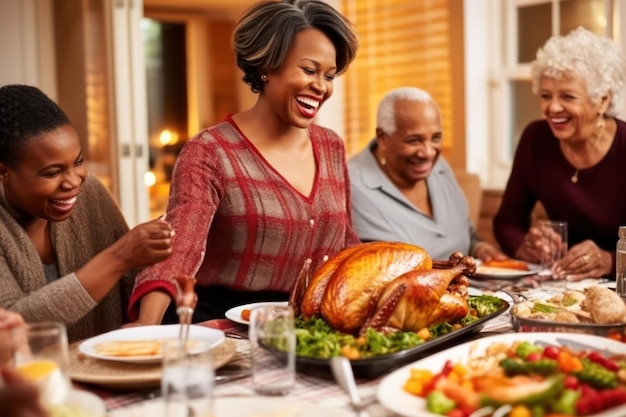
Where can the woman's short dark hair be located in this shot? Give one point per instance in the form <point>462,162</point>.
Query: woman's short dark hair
<point>265,32</point>
<point>25,113</point>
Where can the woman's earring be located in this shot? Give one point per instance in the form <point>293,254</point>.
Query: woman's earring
<point>264,78</point>
<point>383,161</point>
<point>600,123</point>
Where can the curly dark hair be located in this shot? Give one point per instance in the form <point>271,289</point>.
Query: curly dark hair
<point>265,32</point>
<point>25,113</point>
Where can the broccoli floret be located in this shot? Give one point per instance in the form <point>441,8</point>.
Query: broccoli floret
<point>438,403</point>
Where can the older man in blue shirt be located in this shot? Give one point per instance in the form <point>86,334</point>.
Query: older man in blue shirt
<point>404,190</point>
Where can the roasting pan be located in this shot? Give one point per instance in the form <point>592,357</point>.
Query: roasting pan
<point>375,367</point>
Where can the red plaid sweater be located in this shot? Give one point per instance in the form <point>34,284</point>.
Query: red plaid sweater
<point>240,224</point>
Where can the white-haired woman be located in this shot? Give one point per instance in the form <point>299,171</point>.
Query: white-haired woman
<point>404,190</point>
<point>573,160</point>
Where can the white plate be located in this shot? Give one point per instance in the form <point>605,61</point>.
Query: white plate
<point>240,406</point>
<point>589,282</point>
<point>234,314</point>
<point>393,397</point>
<point>82,404</point>
<point>505,273</point>
<point>211,337</point>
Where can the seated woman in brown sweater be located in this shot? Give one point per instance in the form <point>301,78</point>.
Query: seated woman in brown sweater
<point>66,253</point>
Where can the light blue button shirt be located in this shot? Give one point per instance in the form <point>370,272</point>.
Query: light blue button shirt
<point>381,212</point>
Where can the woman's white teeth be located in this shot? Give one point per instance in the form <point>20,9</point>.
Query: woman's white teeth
<point>308,101</point>
<point>65,202</point>
<point>559,120</point>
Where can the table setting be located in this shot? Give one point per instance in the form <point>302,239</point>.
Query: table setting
<point>258,368</point>
<point>311,395</point>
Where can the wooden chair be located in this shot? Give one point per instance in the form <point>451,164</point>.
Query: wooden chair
<point>470,184</point>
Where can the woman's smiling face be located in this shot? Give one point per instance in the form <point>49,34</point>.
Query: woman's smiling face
<point>567,107</point>
<point>304,81</point>
<point>45,180</point>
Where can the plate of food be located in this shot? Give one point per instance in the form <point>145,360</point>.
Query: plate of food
<point>133,376</point>
<point>241,314</point>
<point>506,269</point>
<point>596,310</point>
<point>497,372</point>
<point>143,344</point>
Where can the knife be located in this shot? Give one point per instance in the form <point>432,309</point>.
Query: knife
<point>576,345</point>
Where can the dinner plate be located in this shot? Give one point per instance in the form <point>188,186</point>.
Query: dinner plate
<point>123,375</point>
<point>80,403</point>
<point>243,406</point>
<point>393,397</point>
<point>234,313</point>
<point>209,337</point>
<point>590,282</point>
<point>505,273</point>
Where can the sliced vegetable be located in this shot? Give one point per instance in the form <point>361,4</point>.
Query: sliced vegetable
<point>437,402</point>
<point>566,403</point>
<point>513,366</point>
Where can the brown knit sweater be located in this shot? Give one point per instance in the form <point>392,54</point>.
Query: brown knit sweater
<point>95,224</point>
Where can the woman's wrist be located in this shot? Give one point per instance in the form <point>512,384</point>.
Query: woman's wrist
<point>153,306</point>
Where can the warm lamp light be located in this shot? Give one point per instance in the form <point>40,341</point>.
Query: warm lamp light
<point>167,137</point>
<point>149,179</point>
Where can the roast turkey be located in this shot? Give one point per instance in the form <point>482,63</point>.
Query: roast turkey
<point>388,286</point>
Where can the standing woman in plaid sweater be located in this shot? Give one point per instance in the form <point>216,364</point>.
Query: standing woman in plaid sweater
<point>255,196</point>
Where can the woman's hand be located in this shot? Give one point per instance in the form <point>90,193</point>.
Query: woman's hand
<point>145,244</point>
<point>584,260</point>
<point>18,397</point>
<point>8,321</point>
<point>532,247</point>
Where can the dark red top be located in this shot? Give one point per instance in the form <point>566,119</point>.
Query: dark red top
<point>594,207</point>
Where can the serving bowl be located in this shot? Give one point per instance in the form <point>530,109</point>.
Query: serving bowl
<point>593,310</point>
<point>524,324</point>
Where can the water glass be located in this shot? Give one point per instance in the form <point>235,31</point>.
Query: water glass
<point>554,244</point>
<point>272,349</point>
<point>42,356</point>
<point>187,379</point>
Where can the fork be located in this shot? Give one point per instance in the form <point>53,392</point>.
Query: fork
<point>184,316</point>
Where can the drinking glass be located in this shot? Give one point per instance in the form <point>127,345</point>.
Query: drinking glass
<point>42,356</point>
<point>554,244</point>
<point>272,349</point>
<point>187,379</point>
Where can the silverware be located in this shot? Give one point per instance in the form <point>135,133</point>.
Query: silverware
<point>232,376</point>
<point>184,317</point>
<point>342,371</point>
<point>234,335</point>
<point>576,345</point>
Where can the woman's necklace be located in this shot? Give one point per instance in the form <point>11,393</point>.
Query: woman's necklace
<point>574,178</point>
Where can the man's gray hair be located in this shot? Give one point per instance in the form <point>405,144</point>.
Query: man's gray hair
<point>386,114</point>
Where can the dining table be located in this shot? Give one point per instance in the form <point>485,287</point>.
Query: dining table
<point>315,390</point>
